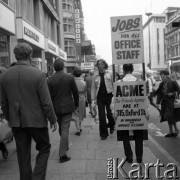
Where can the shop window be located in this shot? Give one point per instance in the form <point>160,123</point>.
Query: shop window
<point>4,51</point>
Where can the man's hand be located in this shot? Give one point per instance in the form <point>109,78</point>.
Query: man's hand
<point>169,94</point>
<point>93,104</point>
<point>53,126</point>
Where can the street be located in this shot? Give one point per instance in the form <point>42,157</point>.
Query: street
<point>166,149</point>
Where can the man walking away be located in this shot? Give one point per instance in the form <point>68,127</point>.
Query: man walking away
<point>26,104</point>
<point>65,98</point>
<point>88,80</point>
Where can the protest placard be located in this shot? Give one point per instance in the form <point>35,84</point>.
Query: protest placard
<point>130,105</point>
<point>127,39</point>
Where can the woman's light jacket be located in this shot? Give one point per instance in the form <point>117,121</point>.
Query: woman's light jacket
<point>108,78</point>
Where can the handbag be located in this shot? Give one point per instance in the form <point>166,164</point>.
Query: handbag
<point>5,130</point>
<point>177,103</point>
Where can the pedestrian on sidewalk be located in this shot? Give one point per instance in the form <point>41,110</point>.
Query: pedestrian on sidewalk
<point>82,90</point>
<point>26,104</point>
<point>3,147</point>
<point>65,98</point>
<point>102,93</point>
<point>166,94</point>
<point>88,81</point>
<point>150,83</point>
<point>125,134</point>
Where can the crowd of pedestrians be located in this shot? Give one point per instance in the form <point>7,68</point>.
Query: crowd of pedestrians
<point>60,98</point>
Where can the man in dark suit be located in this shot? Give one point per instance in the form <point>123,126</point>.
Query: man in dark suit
<point>88,80</point>
<point>26,104</point>
<point>65,98</point>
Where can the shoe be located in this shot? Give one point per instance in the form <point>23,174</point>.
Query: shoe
<point>5,153</point>
<point>103,137</point>
<point>64,158</point>
<point>78,133</point>
<point>129,159</point>
<point>96,120</point>
<point>169,135</point>
<point>176,133</point>
<point>139,160</point>
<point>111,130</point>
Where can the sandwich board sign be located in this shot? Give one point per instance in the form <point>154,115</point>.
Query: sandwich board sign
<point>127,39</point>
<point>130,105</point>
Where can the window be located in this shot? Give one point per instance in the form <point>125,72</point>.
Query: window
<point>58,35</point>
<point>36,14</point>
<point>68,5</point>
<point>68,25</point>
<point>70,47</point>
<point>52,29</point>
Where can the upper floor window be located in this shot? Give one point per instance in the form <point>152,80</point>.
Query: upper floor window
<point>68,25</point>
<point>70,47</point>
<point>68,5</point>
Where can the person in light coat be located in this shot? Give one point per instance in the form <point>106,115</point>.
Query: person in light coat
<point>102,93</point>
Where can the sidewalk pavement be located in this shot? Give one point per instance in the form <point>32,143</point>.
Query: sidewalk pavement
<point>88,154</point>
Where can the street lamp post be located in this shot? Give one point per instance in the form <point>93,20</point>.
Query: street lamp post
<point>150,62</point>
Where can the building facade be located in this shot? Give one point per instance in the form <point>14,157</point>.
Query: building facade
<point>39,23</point>
<point>154,42</point>
<point>76,46</point>
<point>172,39</point>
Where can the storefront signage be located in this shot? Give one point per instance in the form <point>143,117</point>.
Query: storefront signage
<point>29,33</point>
<point>62,54</point>
<point>127,39</point>
<point>87,65</point>
<point>130,105</point>
<point>51,47</point>
<point>7,19</point>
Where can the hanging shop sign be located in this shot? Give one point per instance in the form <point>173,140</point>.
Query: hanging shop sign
<point>127,39</point>
<point>87,66</point>
<point>130,105</point>
<point>77,22</point>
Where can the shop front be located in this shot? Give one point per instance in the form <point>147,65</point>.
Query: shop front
<point>26,32</point>
<point>51,53</point>
<point>7,29</point>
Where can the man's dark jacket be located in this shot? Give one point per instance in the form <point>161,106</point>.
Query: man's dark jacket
<point>64,92</point>
<point>25,98</point>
